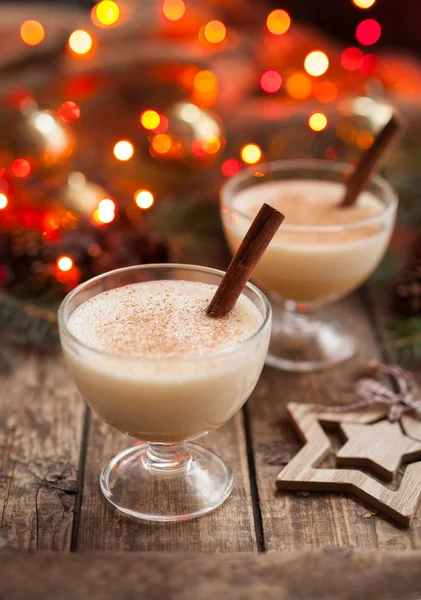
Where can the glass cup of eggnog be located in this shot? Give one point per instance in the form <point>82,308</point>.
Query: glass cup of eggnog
<point>150,362</point>
<point>321,253</point>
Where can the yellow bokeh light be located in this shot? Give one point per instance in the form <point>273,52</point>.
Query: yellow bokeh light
<point>123,150</point>
<point>174,9</point>
<point>64,263</point>
<point>150,119</point>
<point>215,32</point>
<point>144,198</point>
<point>316,63</point>
<point>251,154</point>
<point>364,3</point>
<point>161,143</point>
<point>317,121</point>
<point>3,201</point>
<point>105,13</point>
<point>32,32</point>
<point>205,82</point>
<point>278,22</point>
<point>80,41</point>
<point>105,212</point>
<point>211,145</point>
<point>299,86</point>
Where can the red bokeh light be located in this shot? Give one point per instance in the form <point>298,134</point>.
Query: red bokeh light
<point>271,82</point>
<point>231,167</point>
<point>69,112</point>
<point>368,32</point>
<point>369,64</point>
<point>197,149</point>
<point>163,125</point>
<point>21,167</point>
<point>351,59</point>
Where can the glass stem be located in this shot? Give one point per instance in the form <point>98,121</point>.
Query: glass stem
<point>167,458</point>
<point>297,323</point>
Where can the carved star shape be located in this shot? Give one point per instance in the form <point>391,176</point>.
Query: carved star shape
<point>383,447</point>
<point>301,473</point>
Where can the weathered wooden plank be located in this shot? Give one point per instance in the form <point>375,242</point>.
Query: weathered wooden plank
<point>331,575</point>
<point>228,529</point>
<point>292,521</point>
<point>41,419</point>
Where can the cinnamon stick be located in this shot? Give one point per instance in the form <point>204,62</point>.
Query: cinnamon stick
<point>368,162</point>
<point>255,242</point>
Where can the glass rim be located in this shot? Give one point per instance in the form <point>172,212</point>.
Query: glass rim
<point>228,195</point>
<point>218,353</point>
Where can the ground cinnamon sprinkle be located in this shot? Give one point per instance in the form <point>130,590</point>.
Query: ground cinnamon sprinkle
<point>161,319</point>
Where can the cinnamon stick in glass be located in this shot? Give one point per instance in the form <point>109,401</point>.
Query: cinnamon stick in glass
<point>255,242</point>
<point>369,161</point>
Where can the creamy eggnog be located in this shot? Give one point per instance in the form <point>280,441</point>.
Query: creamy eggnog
<point>153,364</point>
<point>323,251</point>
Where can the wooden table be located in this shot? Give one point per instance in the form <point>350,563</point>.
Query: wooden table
<point>52,449</point>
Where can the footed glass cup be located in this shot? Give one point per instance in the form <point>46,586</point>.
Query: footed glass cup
<point>306,268</point>
<point>165,404</point>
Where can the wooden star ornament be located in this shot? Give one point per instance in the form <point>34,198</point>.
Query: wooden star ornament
<point>377,444</point>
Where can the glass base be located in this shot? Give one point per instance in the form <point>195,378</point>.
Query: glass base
<point>166,482</point>
<point>304,343</point>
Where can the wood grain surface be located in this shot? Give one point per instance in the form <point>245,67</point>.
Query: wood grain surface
<point>41,419</point>
<point>331,575</point>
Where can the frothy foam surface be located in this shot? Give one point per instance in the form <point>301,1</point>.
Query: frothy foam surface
<point>161,319</point>
<point>311,203</point>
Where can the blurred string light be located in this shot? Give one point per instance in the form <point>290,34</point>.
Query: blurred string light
<point>68,112</point>
<point>205,81</point>
<point>205,88</point>
<point>173,9</point>
<point>21,168</point>
<point>364,3</point>
<point>123,150</point>
<point>364,139</point>
<point>325,91</point>
<point>299,86</point>
<point>163,125</point>
<point>369,64</point>
<point>317,121</point>
<point>215,32</point>
<point>351,59</point>
<point>210,144</point>
<point>64,263</point>
<point>271,82</point>
<point>32,32</point>
<point>105,13</point>
<point>3,201</point>
<point>368,32</point>
<point>231,167</point>
<point>150,119</point>
<point>161,143</point>
<point>105,213</point>
<point>251,153</point>
<point>316,63</point>
<point>278,22</point>
<point>80,41</point>
<point>144,199</point>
